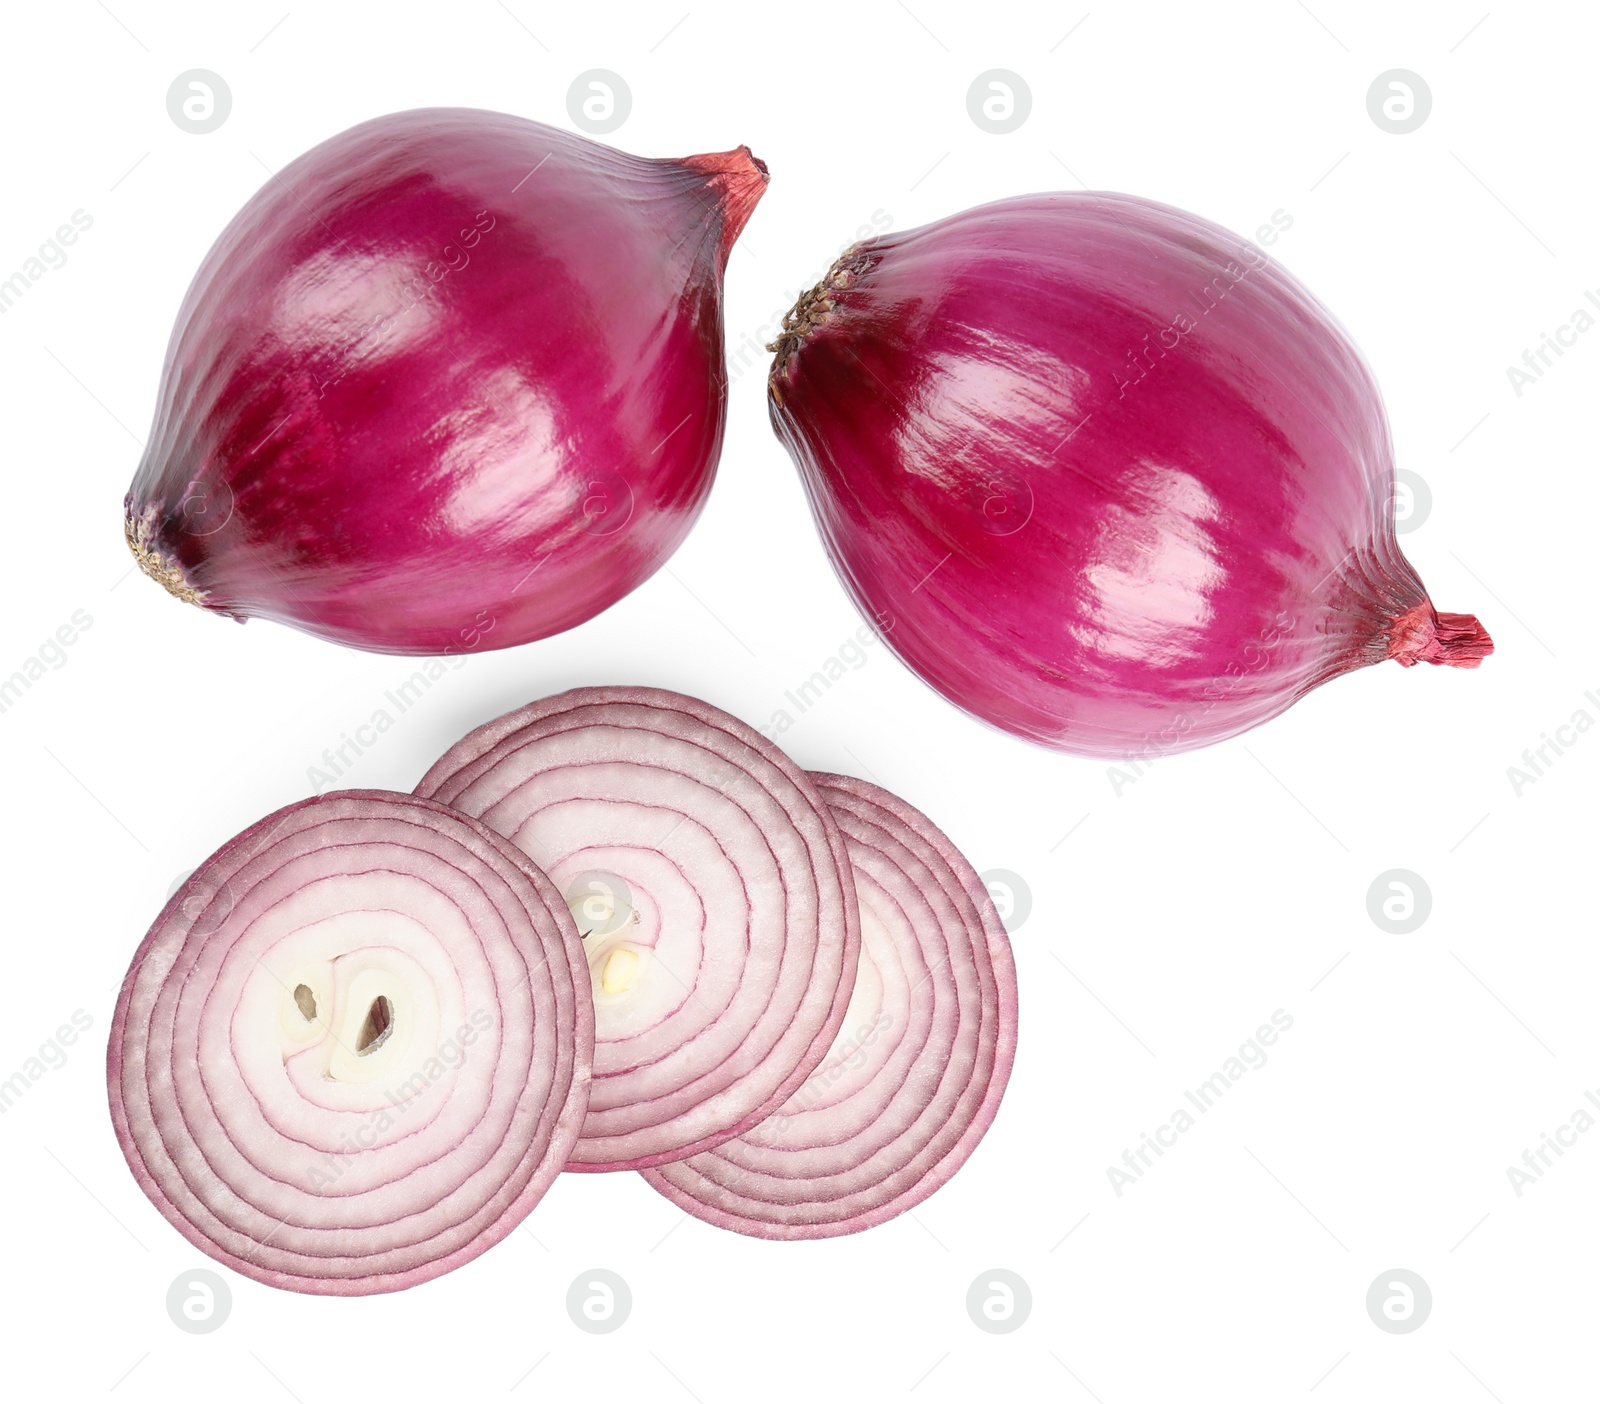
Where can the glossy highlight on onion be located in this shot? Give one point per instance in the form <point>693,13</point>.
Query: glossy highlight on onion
<point>712,891</point>
<point>919,1067</point>
<point>1123,484</point>
<point>450,381</point>
<point>354,1049</point>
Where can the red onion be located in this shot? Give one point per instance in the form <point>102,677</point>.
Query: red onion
<point>713,893</point>
<point>353,1051</point>
<point>917,1072</point>
<point>450,381</point>
<point>1122,484</point>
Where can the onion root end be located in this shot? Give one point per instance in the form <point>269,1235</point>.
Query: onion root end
<point>155,561</point>
<point>811,311</point>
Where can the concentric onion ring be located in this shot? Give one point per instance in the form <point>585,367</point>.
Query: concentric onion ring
<point>354,1050</point>
<point>917,1073</point>
<point>715,890</point>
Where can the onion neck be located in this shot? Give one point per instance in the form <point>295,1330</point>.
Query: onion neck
<point>1412,631</point>
<point>1423,635</point>
<point>1378,609</point>
<point>155,561</point>
<point>739,180</point>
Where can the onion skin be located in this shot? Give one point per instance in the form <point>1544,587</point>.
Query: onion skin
<point>1121,484</point>
<point>450,381</point>
<point>856,1148</point>
<point>347,1188</point>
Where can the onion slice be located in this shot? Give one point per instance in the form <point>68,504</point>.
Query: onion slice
<point>916,1075</point>
<point>354,1049</point>
<point>713,894</point>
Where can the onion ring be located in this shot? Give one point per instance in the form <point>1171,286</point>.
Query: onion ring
<point>714,897</point>
<point>354,1050</point>
<point>917,1074</point>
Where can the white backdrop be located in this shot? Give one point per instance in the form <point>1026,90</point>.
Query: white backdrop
<point>1168,920</point>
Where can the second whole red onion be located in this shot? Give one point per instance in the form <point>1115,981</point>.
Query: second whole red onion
<point>1123,485</point>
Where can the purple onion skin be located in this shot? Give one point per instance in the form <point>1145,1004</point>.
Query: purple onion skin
<point>1106,476</point>
<point>451,381</point>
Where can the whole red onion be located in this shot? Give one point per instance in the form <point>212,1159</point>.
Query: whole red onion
<point>451,381</point>
<point>1121,484</point>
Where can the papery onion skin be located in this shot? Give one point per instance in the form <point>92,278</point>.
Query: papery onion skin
<point>840,1157</point>
<point>371,1188</point>
<point>1121,484</point>
<point>712,824</point>
<point>451,381</point>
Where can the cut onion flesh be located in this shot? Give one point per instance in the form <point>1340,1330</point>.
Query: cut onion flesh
<point>354,1049</point>
<point>713,895</point>
<point>917,1072</point>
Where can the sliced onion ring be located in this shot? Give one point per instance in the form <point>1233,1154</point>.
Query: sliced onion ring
<point>354,1049</point>
<point>917,1072</point>
<point>715,890</point>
